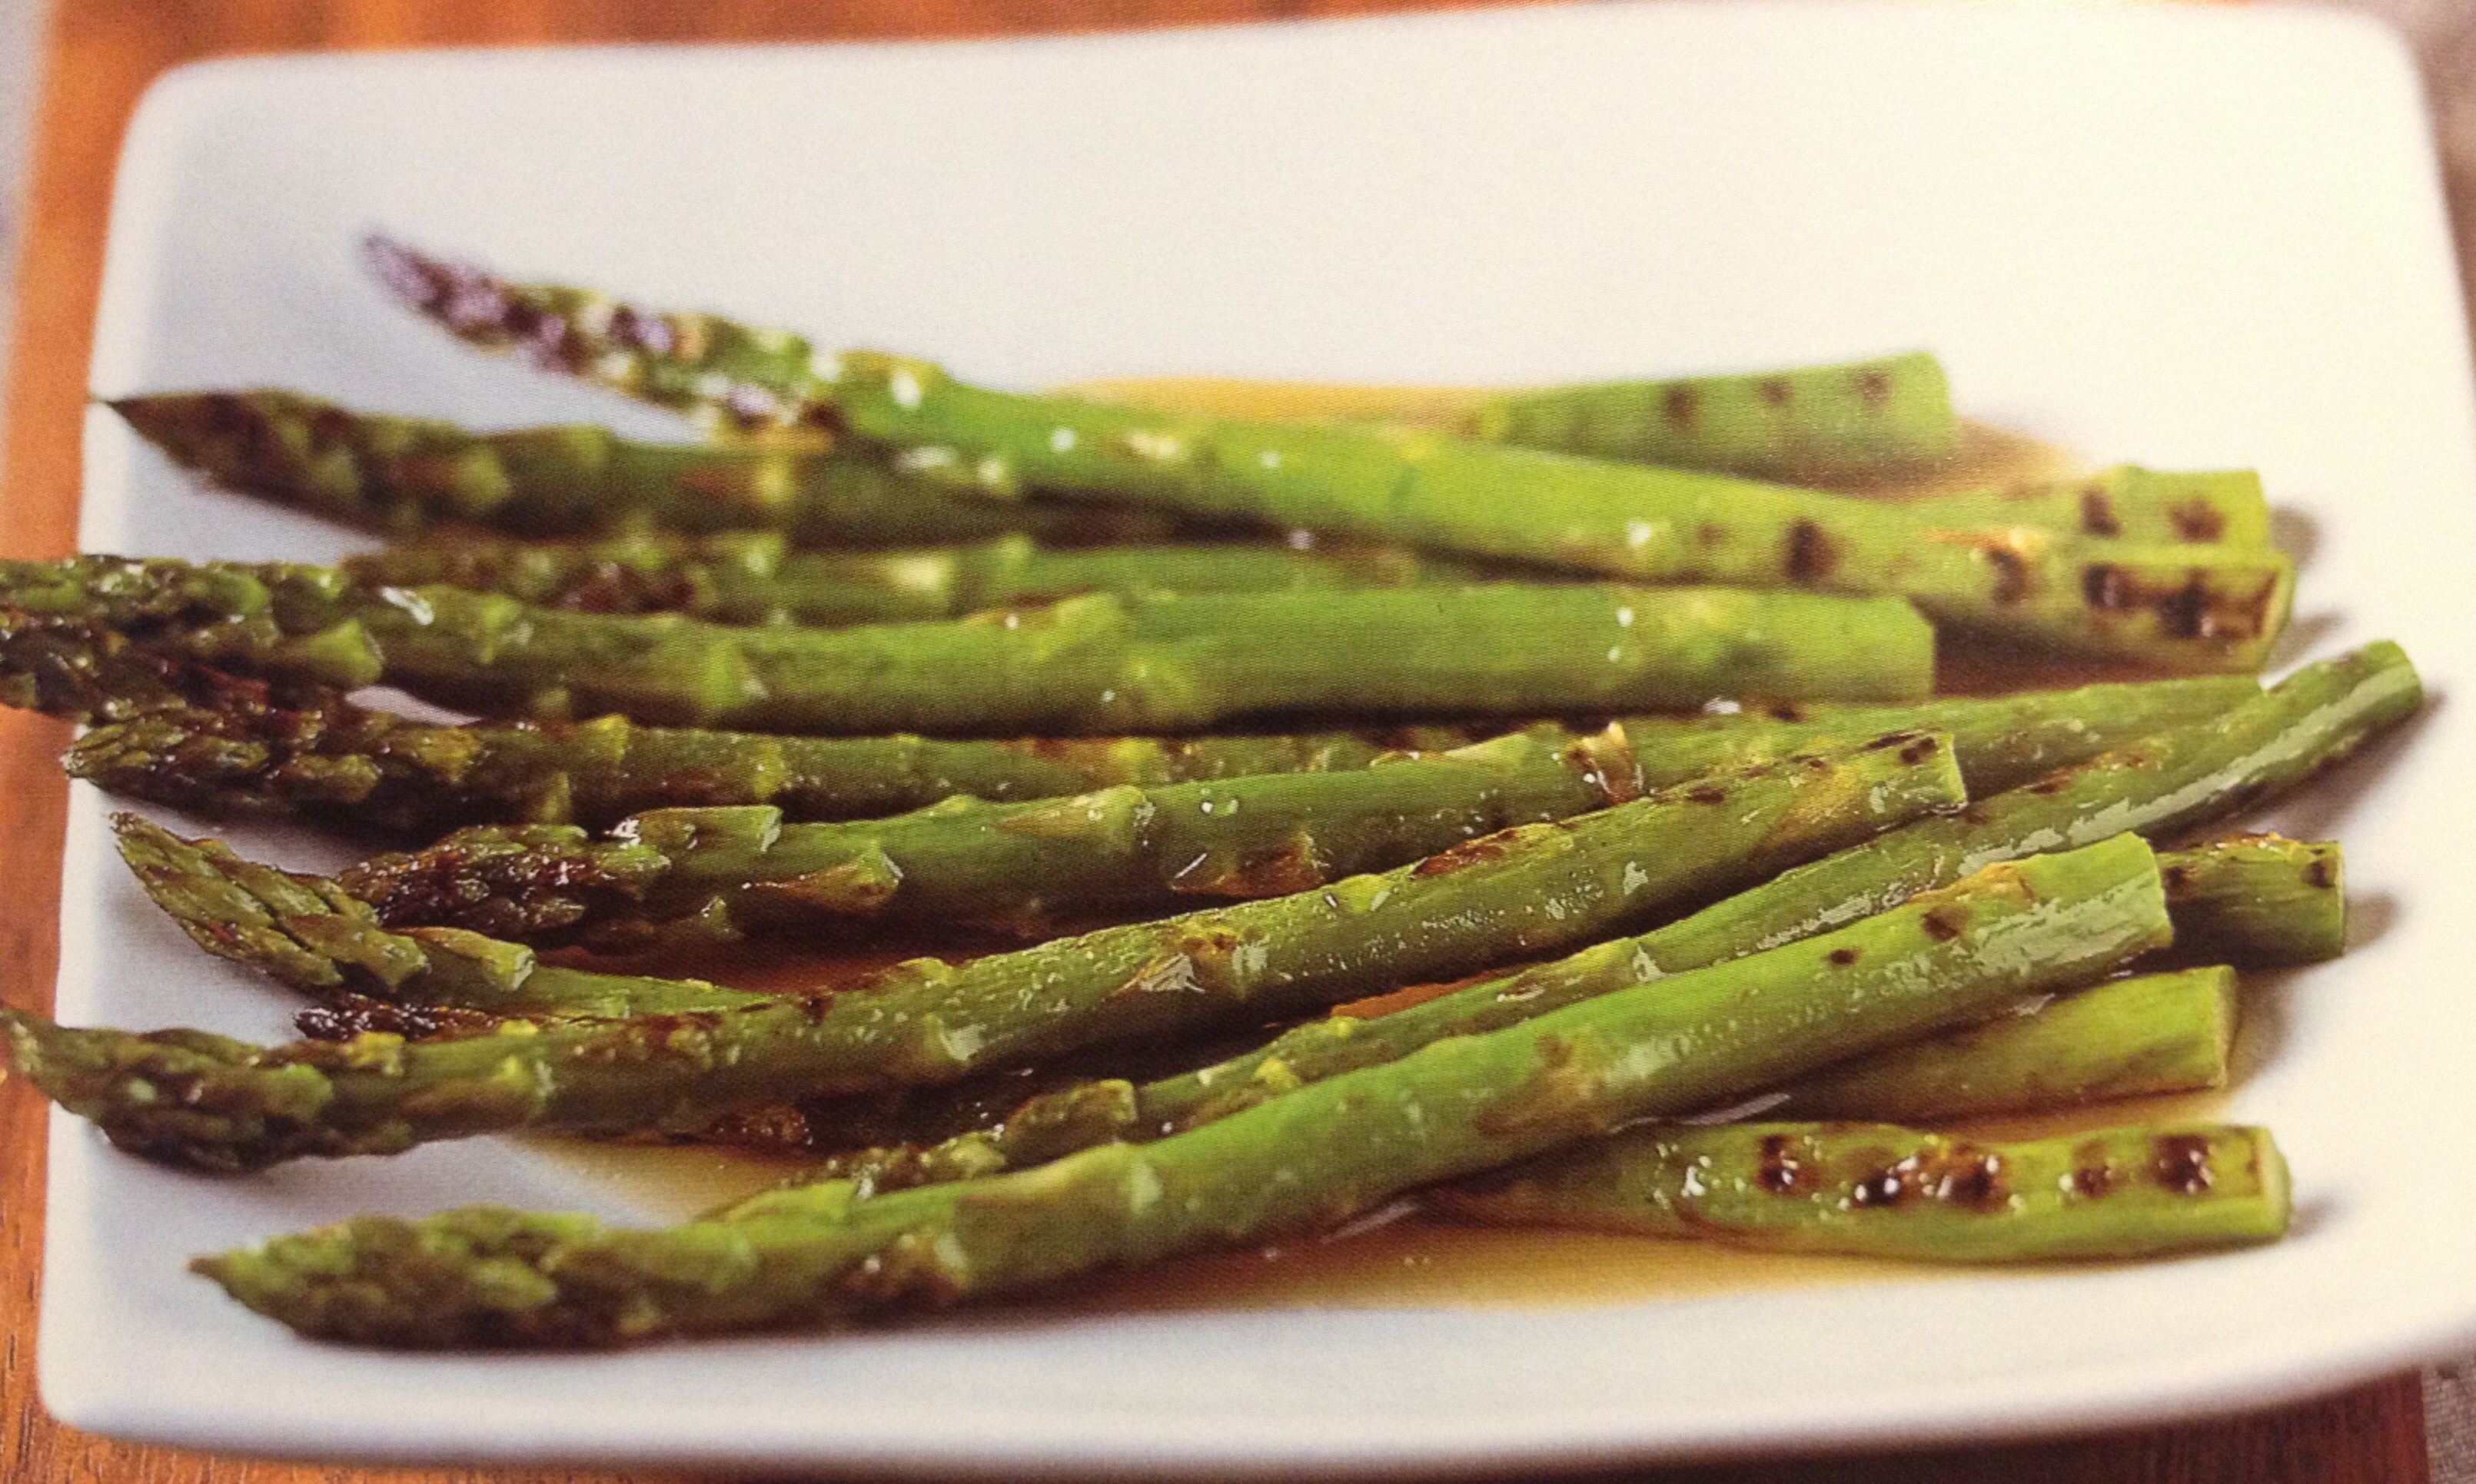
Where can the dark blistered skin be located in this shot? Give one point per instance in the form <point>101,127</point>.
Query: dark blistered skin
<point>1884,1190</point>
<point>1539,889</point>
<point>1295,1164</point>
<point>1098,663</point>
<point>2189,608</point>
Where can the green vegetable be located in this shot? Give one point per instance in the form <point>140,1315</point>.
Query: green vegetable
<point>2158,785</point>
<point>2224,507</point>
<point>1300,1163</point>
<point>1023,865</point>
<point>323,755</point>
<point>1890,1192</point>
<point>1154,662</point>
<point>757,579</point>
<point>400,475</point>
<point>2185,607</point>
<point>1017,866</point>
<point>2260,899</point>
<point>2126,1038</point>
<point>1529,891</point>
<point>1805,424</point>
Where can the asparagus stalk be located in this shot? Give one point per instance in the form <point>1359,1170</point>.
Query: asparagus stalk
<point>1311,1160</point>
<point>2126,1038</point>
<point>1536,889</point>
<point>1018,866</point>
<point>400,475</point>
<point>1154,662</point>
<point>2002,741</point>
<point>1884,1190</point>
<point>1804,424</point>
<point>2185,607</point>
<point>755,578</point>
<point>323,755</point>
<point>2223,506</point>
<point>1012,865</point>
<point>2158,785</point>
<point>2260,899</point>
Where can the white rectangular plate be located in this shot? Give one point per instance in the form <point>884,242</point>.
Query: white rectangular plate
<point>2190,240</point>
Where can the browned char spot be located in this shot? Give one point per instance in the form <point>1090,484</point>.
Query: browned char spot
<point>2097,512</point>
<point>2198,520</point>
<point>1944,922</point>
<point>1707,793</point>
<point>1780,1167</point>
<point>2011,574</point>
<point>1681,405</point>
<point>1469,852</point>
<point>1874,389</point>
<point>1775,390</point>
<point>2318,873</point>
<point>1810,555</point>
<point>2180,1163</point>
<point>1920,751</point>
<point>1841,958</point>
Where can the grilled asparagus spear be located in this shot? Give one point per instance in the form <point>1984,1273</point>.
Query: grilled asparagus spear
<point>2158,785</point>
<point>1307,1161</point>
<point>1890,1192</point>
<point>1155,661</point>
<point>2185,607</point>
<point>402,475</point>
<point>755,578</point>
<point>1529,891</point>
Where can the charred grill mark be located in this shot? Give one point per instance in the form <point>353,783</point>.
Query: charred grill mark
<point>1880,1190</point>
<point>2189,609</point>
<point>1920,751</point>
<point>1681,405</point>
<point>1892,740</point>
<point>1944,922</point>
<point>1469,852</point>
<point>1707,793</point>
<point>1874,389</point>
<point>2179,1162</point>
<point>1810,554</point>
<point>2185,615</point>
<point>2098,513</point>
<point>1970,1178</point>
<point>1710,534</point>
<point>1781,1168</point>
<point>1841,958</point>
<point>2011,574</point>
<point>1775,390</point>
<point>1787,711</point>
<point>2197,520</point>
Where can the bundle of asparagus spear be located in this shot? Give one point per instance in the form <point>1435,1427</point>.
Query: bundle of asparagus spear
<point>1641,808</point>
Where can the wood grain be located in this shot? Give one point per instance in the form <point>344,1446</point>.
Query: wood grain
<point>101,54</point>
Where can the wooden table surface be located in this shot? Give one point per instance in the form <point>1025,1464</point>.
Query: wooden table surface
<point>99,56</point>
